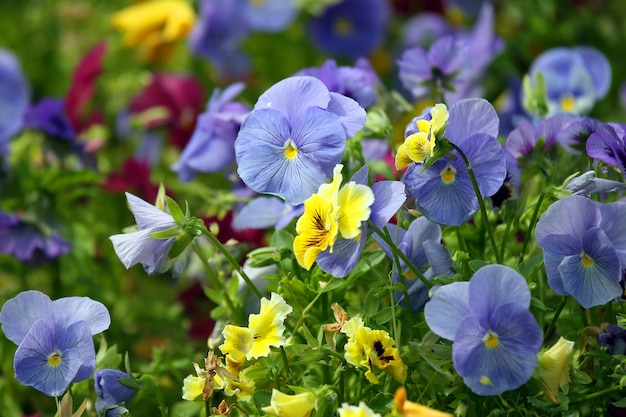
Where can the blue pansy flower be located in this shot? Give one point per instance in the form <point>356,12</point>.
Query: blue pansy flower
<point>351,28</point>
<point>358,82</point>
<point>211,147</point>
<point>584,248</point>
<point>14,98</point>
<point>139,247</point>
<point>54,338</point>
<point>265,213</point>
<point>607,144</point>
<point>111,391</point>
<point>575,78</point>
<point>421,245</point>
<point>388,198</point>
<point>290,143</point>
<point>496,338</point>
<point>268,15</point>
<point>443,192</point>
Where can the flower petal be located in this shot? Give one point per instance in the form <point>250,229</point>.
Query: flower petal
<point>470,116</point>
<point>69,310</point>
<point>447,308</point>
<point>147,215</point>
<point>388,198</point>
<point>293,95</point>
<point>344,257</point>
<point>350,113</point>
<point>21,312</point>
<point>495,285</point>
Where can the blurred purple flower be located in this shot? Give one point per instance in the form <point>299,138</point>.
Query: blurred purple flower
<point>111,391</point>
<point>607,144</point>
<point>584,248</point>
<point>54,338</point>
<point>352,28</point>
<point>443,192</point>
<point>268,15</point>
<point>28,243</point>
<point>523,139</point>
<point>14,98</point>
<point>294,137</point>
<point>212,145</point>
<point>218,33</point>
<point>575,78</point>
<point>424,29</point>
<point>614,339</point>
<point>496,338</point>
<point>358,82</point>
<point>265,213</point>
<point>421,244</point>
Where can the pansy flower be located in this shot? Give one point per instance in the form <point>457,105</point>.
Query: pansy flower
<point>614,339</point>
<point>285,405</point>
<point>369,348</point>
<point>575,78</point>
<point>443,191</point>
<point>361,410</point>
<point>268,15</point>
<point>496,338</point>
<point>584,248</point>
<point>265,330</point>
<point>608,144</point>
<point>553,368</point>
<point>294,137</point>
<point>211,147</point>
<point>112,392</point>
<point>406,408</point>
<point>525,137</point>
<point>352,28</point>
<point>54,338</point>
<point>14,98</point>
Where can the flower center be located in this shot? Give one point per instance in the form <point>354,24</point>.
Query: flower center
<point>485,380</point>
<point>491,340</point>
<point>448,174</point>
<point>586,260</point>
<point>342,27</point>
<point>291,150</point>
<point>567,103</point>
<point>54,359</point>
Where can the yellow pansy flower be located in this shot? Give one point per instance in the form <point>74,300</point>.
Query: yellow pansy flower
<point>193,386</point>
<point>420,145</point>
<point>362,410</point>
<point>154,27</point>
<point>553,367</point>
<point>284,405</point>
<point>406,408</point>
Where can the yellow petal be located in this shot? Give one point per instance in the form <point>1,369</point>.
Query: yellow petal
<point>553,367</point>
<point>439,118</point>
<point>331,191</point>
<point>193,387</point>
<point>423,126</point>
<point>237,342</point>
<point>317,230</point>
<point>402,158</point>
<point>354,202</point>
<point>418,146</point>
<point>298,405</point>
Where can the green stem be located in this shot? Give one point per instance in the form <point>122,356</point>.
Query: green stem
<point>597,394</point>
<point>505,238</point>
<point>530,228</point>
<point>391,300</point>
<point>481,202</point>
<point>397,266</point>
<point>310,305</point>
<point>401,255</point>
<point>557,313</point>
<point>232,261</point>
<point>283,355</point>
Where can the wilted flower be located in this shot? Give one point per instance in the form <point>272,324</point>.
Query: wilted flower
<point>54,338</point>
<point>284,405</point>
<point>575,78</point>
<point>294,137</point>
<point>362,410</point>
<point>352,28</point>
<point>553,368</point>
<point>153,27</point>
<point>206,378</point>
<point>584,248</point>
<point>496,338</point>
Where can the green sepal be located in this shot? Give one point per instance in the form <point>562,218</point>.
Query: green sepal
<point>442,149</point>
<point>182,241</point>
<point>167,233</point>
<point>175,211</point>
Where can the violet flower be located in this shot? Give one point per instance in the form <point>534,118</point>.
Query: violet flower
<point>614,339</point>
<point>523,139</point>
<point>607,144</point>
<point>352,28</point>
<point>495,337</point>
<point>54,338</point>
<point>584,249</point>
<point>211,148</point>
<point>265,213</point>
<point>14,98</point>
<point>268,15</point>
<point>112,393</point>
<point>290,143</point>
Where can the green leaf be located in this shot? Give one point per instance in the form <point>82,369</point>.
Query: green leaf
<point>261,399</point>
<point>527,267</point>
<point>372,302</point>
<point>175,211</point>
<point>167,233</point>
<point>476,264</point>
<point>383,316</point>
<point>282,239</point>
<point>538,304</point>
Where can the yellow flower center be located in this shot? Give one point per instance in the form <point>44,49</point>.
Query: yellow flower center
<point>567,103</point>
<point>291,150</point>
<point>448,174</point>
<point>485,380</point>
<point>491,340</point>
<point>342,27</point>
<point>586,260</point>
<point>54,359</point>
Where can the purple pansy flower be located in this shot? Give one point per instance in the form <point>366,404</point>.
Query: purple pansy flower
<point>352,28</point>
<point>14,98</point>
<point>268,15</point>
<point>388,198</point>
<point>294,137</point>
<point>421,245</point>
<point>614,339</point>
<point>607,144</point>
<point>575,78</point>
<point>111,391</point>
<point>358,82</point>
<point>523,139</point>
<point>140,247</point>
<point>443,192</point>
<point>211,147</point>
<point>54,338</point>
<point>28,243</point>
<point>49,117</point>
<point>584,248</point>
<point>424,29</point>
<point>496,338</point>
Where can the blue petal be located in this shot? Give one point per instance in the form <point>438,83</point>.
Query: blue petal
<point>598,67</point>
<point>69,310</point>
<point>343,259</point>
<point>78,337</point>
<point>486,157</point>
<point>447,308</point>
<point>613,224</point>
<point>147,215</point>
<point>21,312</point>
<point>470,116</point>
<point>110,389</point>
<point>388,198</point>
<point>415,71</point>
<point>555,248</point>
<point>596,284</point>
<point>350,113</point>
<point>397,235</point>
<point>139,247</point>
<point>260,213</point>
<point>361,176</point>
<point>570,216</point>
<point>269,15</point>
<point>495,285</point>
<point>438,257</point>
<point>31,361</point>
<point>511,363</point>
<point>420,231</point>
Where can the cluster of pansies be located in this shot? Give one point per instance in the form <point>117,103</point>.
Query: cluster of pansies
<point>371,233</point>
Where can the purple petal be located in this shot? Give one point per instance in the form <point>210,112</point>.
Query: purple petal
<point>20,313</point>
<point>260,213</point>
<point>613,224</point>
<point>447,308</point>
<point>496,285</point>
<point>293,95</point>
<point>69,310</point>
<point>139,247</point>
<point>487,159</point>
<point>343,259</point>
<point>350,113</point>
<point>470,116</point>
<point>388,198</point>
